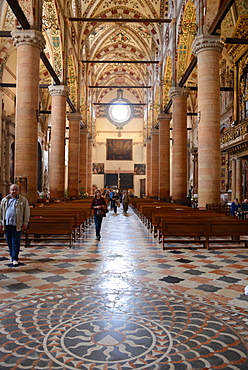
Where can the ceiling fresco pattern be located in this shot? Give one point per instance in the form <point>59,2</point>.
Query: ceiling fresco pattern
<point>125,44</point>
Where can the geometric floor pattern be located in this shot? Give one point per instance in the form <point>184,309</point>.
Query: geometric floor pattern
<point>124,303</point>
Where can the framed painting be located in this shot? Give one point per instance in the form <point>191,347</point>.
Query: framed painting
<point>98,168</point>
<point>139,169</point>
<point>119,149</point>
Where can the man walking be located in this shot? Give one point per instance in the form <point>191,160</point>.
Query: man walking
<point>14,217</point>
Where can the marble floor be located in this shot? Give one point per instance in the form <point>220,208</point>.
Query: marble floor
<point>123,303</point>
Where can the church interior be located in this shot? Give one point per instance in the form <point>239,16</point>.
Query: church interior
<point>147,96</point>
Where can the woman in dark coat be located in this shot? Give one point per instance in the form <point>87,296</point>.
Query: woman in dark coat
<point>99,208</point>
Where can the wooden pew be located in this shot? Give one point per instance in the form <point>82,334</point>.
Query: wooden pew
<point>49,213</point>
<point>159,217</point>
<point>48,227</point>
<point>204,230</point>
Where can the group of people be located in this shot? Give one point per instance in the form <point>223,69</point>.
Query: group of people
<point>240,210</point>
<point>117,198</point>
<point>99,206</point>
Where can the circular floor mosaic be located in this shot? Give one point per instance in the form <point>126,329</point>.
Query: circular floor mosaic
<point>139,328</point>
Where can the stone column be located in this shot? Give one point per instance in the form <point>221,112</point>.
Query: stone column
<point>29,44</point>
<point>154,163</point>
<point>234,179</point>
<point>148,166</point>
<point>83,158</point>
<point>179,97</point>
<point>207,48</point>
<point>74,153</point>
<point>89,167</point>
<point>59,95</point>
<point>164,155</point>
<point>239,180</point>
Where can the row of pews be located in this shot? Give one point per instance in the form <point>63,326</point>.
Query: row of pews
<point>65,221</point>
<point>173,223</point>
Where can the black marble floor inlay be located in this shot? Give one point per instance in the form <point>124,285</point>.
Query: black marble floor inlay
<point>171,279</point>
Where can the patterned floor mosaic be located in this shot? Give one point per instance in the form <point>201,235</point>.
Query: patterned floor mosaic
<point>123,303</point>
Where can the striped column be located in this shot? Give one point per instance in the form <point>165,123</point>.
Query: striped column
<point>83,159</point>
<point>148,167</point>
<point>59,95</point>
<point>164,155</point>
<point>207,48</point>
<point>29,44</point>
<point>89,166</point>
<point>74,153</point>
<point>179,97</point>
<point>154,163</point>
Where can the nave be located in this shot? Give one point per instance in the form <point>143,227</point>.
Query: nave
<point>124,303</point>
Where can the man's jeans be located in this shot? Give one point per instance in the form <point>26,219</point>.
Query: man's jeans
<point>98,222</point>
<point>13,238</point>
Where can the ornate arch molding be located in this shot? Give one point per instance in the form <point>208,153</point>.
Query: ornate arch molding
<point>51,28</point>
<point>186,34</point>
<point>167,80</point>
<point>72,79</point>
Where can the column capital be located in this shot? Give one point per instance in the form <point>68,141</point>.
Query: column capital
<point>59,90</point>
<point>179,91</point>
<point>75,116</point>
<point>207,42</point>
<point>28,37</point>
<point>154,131</point>
<point>164,117</point>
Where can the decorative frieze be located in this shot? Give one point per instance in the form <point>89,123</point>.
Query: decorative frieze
<point>234,133</point>
<point>28,37</point>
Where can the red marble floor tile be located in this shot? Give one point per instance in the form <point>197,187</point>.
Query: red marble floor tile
<point>238,266</point>
<point>200,279</point>
<point>219,272</point>
<point>179,288</point>
<point>27,278</point>
<point>60,271</point>
<point>80,278</point>
<point>6,295</point>
<point>188,265</point>
<point>144,279</point>
<point>218,298</point>
<point>237,287</point>
<point>88,265</point>
<point>47,286</point>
